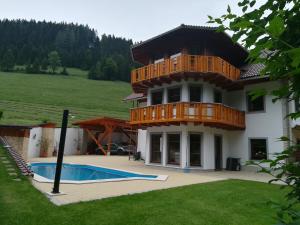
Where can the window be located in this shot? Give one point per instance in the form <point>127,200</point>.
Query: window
<point>156,97</point>
<point>174,95</point>
<point>195,93</point>
<point>255,105</point>
<point>173,149</point>
<point>258,148</point>
<point>218,96</point>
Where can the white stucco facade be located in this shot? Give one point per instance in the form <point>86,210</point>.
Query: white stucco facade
<point>269,124</point>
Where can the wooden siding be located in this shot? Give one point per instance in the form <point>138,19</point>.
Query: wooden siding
<point>211,114</point>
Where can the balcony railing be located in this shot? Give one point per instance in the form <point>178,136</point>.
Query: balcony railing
<point>211,114</point>
<point>186,63</point>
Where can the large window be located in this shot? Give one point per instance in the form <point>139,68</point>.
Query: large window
<point>174,94</point>
<point>218,98</point>
<point>195,93</point>
<point>258,149</point>
<point>255,105</point>
<point>173,149</point>
<point>156,97</point>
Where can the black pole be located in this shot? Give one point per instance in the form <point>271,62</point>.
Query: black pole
<point>61,149</point>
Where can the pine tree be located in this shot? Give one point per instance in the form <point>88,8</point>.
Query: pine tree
<point>8,61</point>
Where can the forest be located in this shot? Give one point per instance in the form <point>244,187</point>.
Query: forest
<point>43,47</point>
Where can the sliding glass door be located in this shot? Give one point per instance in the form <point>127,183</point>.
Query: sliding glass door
<point>195,149</point>
<point>173,149</point>
<point>155,148</point>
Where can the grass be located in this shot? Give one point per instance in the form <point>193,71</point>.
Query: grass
<point>233,202</point>
<point>31,99</point>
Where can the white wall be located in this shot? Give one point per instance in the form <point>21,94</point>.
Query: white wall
<point>73,140</point>
<point>34,142</point>
<point>141,142</point>
<point>268,124</point>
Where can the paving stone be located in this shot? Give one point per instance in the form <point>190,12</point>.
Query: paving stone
<point>8,165</point>
<point>17,179</point>
<point>13,174</point>
<point>11,169</point>
<point>5,161</point>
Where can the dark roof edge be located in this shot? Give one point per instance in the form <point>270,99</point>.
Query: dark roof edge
<point>186,26</point>
<point>172,30</point>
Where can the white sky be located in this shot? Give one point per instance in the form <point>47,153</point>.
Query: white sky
<point>135,19</point>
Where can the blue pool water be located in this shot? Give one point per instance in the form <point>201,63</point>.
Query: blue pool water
<point>75,172</point>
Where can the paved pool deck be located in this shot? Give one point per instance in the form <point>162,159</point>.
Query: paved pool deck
<point>86,192</point>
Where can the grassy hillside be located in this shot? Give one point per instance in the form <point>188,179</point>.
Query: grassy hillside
<point>30,99</point>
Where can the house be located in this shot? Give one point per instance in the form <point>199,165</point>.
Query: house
<point>198,110</point>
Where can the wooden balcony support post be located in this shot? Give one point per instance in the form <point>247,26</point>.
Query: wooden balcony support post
<point>95,140</point>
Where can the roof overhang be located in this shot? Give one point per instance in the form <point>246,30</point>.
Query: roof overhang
<point>186,36</point>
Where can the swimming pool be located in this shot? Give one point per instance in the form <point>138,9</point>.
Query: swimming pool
<point>77,173</point>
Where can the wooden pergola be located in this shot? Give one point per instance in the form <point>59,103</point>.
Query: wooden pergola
<point>106,126</point>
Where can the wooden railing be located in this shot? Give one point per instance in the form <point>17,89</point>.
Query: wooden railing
<point>214,114</point>
<point>186,63</point>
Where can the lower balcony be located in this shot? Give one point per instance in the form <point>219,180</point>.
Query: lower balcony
<point>208,114</point>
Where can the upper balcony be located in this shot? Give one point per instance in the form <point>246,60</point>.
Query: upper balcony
<point>211,68</point>
<point>208,114</point>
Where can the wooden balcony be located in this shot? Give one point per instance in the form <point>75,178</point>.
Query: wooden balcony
<point>208,114</point>
<point>211,68</point>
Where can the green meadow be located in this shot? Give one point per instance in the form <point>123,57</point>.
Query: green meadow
<point>28,99</point>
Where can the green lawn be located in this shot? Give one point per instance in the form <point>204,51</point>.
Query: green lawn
<point>231,202</point>
<point>30,99</point>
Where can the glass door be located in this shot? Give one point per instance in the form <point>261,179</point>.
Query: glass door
<point>195,149</point>
<point>173,149</point>
<point>218,152</point>
<point>155,148</point>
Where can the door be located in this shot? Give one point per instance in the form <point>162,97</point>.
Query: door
<point>173,149</point>
<point>218,152</point>
<point>195,149</point>
<point>155,148</point>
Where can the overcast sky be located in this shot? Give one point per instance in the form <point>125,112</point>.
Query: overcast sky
<point>135,19</point>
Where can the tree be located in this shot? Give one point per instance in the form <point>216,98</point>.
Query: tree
<point>54,61</point>
<point>109,69</point>
<point>271,32</point>
<point>95,72</point>
<point>8,61</point>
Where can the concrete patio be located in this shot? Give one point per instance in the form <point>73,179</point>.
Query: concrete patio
<point>86,192</point>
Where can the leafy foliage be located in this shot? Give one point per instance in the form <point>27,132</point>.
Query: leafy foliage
<point>54,60</point>
<point>271,32</point>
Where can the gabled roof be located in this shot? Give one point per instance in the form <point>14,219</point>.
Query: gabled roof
<point>251,71</point>
<point>101,121</point>
<point>205,28</point>
<point>189,36</point>
<point>135,96</point>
